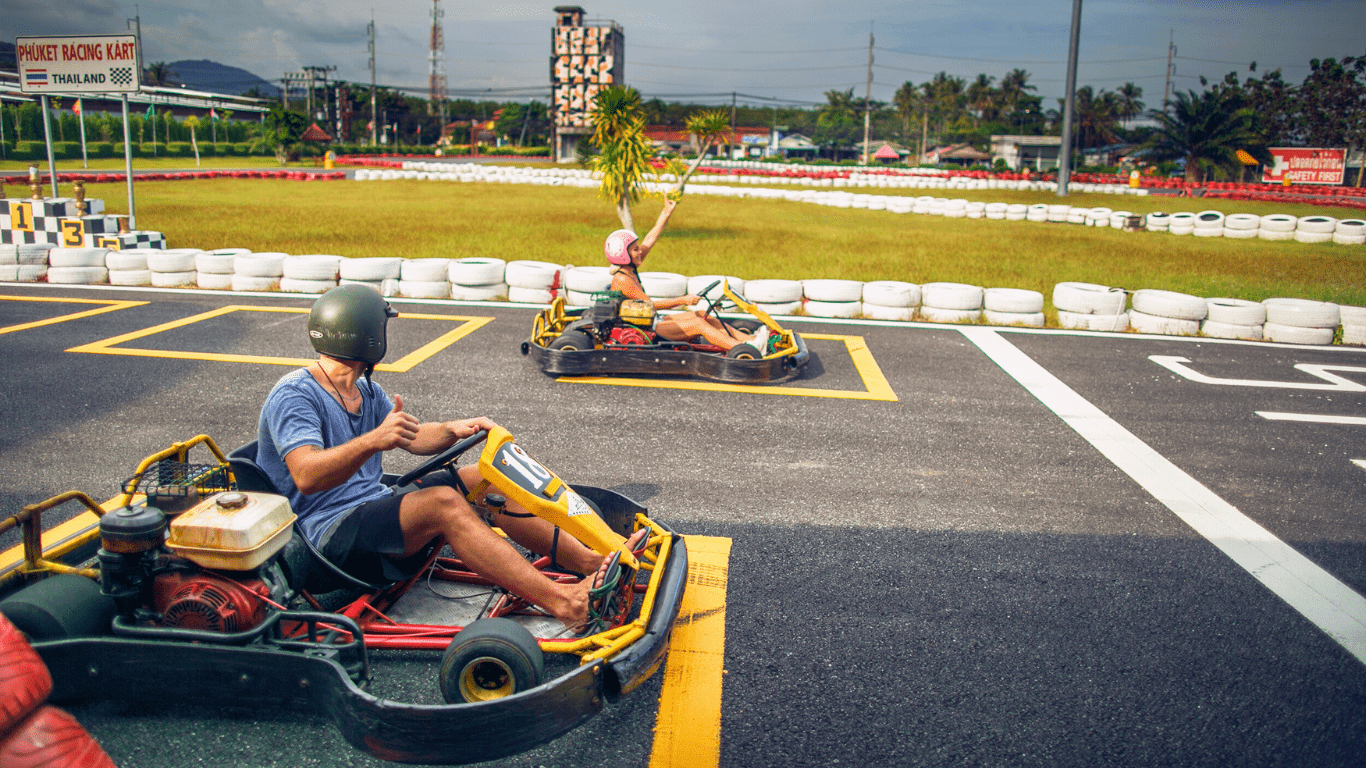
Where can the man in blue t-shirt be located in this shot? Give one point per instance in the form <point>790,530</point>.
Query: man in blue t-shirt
<point>320,440</point>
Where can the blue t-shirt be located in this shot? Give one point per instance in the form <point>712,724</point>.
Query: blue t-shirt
<point>299,412</point>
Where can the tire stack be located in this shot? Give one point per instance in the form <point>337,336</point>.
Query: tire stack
<point>1091,307</point>
<point>1167,313</point>
<point>1119,219</point>
<point>128,267</point>
<point>77,266</point>
<point>1301,321</point>
<point>477,279</point>
<point>1181,224</point>
<point>9,262</point>
<point>832,298</point>
<point>213,269</point>
<point>311,273</point>
<point>1242,226</point>
<point>1350,232</point>
<point>532,282</point>
<point>1277,226</point>
<point>1353,325</point>
<point>1098,217</point>
<point>1209,224</point>
<point>258,271</point>
<point>1017,212</point>
<point>425,279</point>
<point>33,733</point>
<point>1315,229</point>
<point>173,267</point>
<point>580,283</point>
<point>1036,213</point>
<point>1013,306</point>
<point>1234,319</point>
<point>950,302</point>
<point>1157,221</point>
<point>890,300</point>
<point>664,285</point>
<point>380,273</point>
<point>776,297</point>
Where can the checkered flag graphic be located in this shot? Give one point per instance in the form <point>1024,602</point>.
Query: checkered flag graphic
<point>121,75</point>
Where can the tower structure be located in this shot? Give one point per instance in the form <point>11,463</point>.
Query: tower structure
<point>436,78</point>
<point>585,56</point>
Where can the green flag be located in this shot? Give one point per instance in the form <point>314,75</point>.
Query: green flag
<point>151,111</point>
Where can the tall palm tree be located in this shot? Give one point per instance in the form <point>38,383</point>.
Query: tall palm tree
<point>1206,130</point>
<point>1095,116</point>
<point>624,152</point>
<point>1013,87</point>
<point>710,128</point>
<point>908,104</point>
<point>159,73</point>
<point>982,98</point>
<point>1129,104</point>
<point>946,94</point>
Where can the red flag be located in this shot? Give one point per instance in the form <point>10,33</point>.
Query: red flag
<point>77,107</point>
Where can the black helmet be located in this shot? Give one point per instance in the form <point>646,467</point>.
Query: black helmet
<point>348,323</point>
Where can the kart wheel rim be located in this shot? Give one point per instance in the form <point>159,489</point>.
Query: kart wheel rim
<point>485,679</point>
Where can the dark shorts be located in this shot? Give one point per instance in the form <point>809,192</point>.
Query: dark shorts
<point>367,540</point>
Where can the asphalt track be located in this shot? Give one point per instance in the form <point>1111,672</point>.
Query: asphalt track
<point>1044,549</point>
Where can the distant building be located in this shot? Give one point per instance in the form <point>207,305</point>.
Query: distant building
<point>1020,152</point>
<point>584,57</point>
<point>956,154</point>
<point>797,145</point>
<point>747,141</point>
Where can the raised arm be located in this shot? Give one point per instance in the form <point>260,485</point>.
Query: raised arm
<point>652,236</point>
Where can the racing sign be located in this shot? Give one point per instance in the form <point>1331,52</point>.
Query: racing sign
<point>1306,165</point>
<point>78,64</point>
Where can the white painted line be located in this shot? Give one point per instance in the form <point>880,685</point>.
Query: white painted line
<point>1332,606</point>
<point>1335,382</point>
<point>1312,417</point>
<point>1360,463</point>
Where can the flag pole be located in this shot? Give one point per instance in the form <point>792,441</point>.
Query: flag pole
<point>80,118</point>
<point>51,160</point>
<point>128,163</point>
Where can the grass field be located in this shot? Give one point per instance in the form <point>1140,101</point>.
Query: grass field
<point>748,238</point>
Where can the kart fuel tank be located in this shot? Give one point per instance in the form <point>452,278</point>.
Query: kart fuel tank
<point>235,530</point>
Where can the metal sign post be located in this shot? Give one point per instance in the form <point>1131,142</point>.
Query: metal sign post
<point>78,64</point>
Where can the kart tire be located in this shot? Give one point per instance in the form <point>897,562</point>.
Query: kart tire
<point>1086,321</point>
<point>60,607</point>
<point>833,308</point>
<point>24,680</point>
<point>1026,319</point>
<point>33,253</point>
<point>744,352</point>
<point>51,737</point>
<point>424,289</point>
<point>572,341</point>
<point>1242,221</point>
<point>942,315</point>
<point>429,270</point>
<point>1302,236</point>
<point>176,260</point>
<point>9,254</point>
<point>1157,221</point>
<point>212,281</point>
<point>880,312</point>
<point>371,269</point>
<point>1278,222</point>
<point>1209,220</point>
<point>745,325</point>
<point>522,295</point>
<point>490,659</point>
<point>253,283</point>
<point>1351,228</point>
<point>1274,234</point>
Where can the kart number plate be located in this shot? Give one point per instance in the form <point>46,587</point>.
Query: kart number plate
<point>526,472</point>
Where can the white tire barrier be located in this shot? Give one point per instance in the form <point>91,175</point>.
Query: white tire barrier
<point>241,282</point>
<point>1351,227</point>
<point>833,308</point>
<point>1026,319</point>
<point>521,295</point>
<point>478,292</point>
<point>880,312</point>
<point>306,285</point>
<point>1168,304</point>
<point>578,298</point>
<point>429,270</point>
<point>1242,221</point>
<point>1166,326</point>
<point>1302,313</point>
<point>1342,239</point>
<point>778,307</point>
<point>1179,224</point>
<point>174,279</point>
<point>1317,224</point>
<point>371,270</point>
<point>1354,335</point>
<point>385,287</point>
<point>1294,334</point>
<point>1209,220</point>
<point>832,291</point>
<point>81,275</point>
<point>9,273</point>
<point>1036,213</point>
<point>424,289</point>
<point>214,262</point>
<point>1275,234</point>
<point>258,265</point>
<point>538,275</point>
<point>30,273</point>
<point>130,277</point>
<point>951,296</point>
<point>33,254</point>
<point>1218,330</point>
<point>891,293</point>
<point>1349,315</point>
<point>1058,213</point>
<point>996,211</point>
<point>1278,222</point>
<point>77,257</point>
<point>774,291</point>
<point>586,280</point>
<point>132,259</point>
<point>1012,301</point>
<point>1076,215</point>
<point>213,281</point>
<point>1089,299</point>
<point>1241,234</point>
<point>664,285</point>
<point>1016,212</point>
<point>9,254</point>
<point>311,267</point>
<point>1120,219</point>
<point>1157,221</point>
<point>172,260</point>
<point>942,315</point>
<point>1236,312</point>
<point>1301,236</point>
<point>1085,321</point>
<point>477,271</point>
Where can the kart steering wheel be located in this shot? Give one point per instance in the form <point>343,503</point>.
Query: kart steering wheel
<point>712,303</point>
<point>442,459</point>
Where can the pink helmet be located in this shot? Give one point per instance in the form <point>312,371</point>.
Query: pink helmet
<point>618,246</point>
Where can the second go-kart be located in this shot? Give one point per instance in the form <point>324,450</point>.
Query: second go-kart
<point>615,336</point>
<point>196,587</point>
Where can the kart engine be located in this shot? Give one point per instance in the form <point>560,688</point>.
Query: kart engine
<point>218,570</point>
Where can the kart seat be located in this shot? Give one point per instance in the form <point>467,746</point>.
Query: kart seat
<point>250,476</point>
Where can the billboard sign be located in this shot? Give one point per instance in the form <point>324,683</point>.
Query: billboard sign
<point>1305,165</point>
<point>78,64</point>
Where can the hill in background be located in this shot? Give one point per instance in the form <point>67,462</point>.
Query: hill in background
<point>205,75</point>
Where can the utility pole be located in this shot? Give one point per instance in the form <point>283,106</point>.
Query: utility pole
<point>436,77</point>
<point>868,96</point>
<point>1171,51</point>
<point>373,125</point>
<point>135,24</point>
<point>1065,151</point>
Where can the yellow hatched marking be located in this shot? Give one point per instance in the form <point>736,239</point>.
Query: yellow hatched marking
<point>110,346</point>
<point>876,386</point>
<point>109,306</point>
<point>688,727</point>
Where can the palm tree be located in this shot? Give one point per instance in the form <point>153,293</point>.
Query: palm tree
<point>1095,116</point>
<point>982,97</point>
<point>946,94</point>
<point>1129,104</point>
<point>158,73</point>
<point>624,152</point>
<point>1013,87</point>
<point>908,104</point>
<point>1206,130</point>
<point>710,129</point>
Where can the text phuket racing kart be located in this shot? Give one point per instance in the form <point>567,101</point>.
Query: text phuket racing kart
<point>195,587</point>
<point>616,336</point>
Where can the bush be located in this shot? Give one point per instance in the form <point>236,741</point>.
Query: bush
<point>101,149</point>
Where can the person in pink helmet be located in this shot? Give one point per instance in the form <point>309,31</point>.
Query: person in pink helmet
<point>625,252</point>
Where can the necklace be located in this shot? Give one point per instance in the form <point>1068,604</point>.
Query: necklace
<point>342,397</point>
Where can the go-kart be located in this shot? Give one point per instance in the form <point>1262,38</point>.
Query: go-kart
<point>197,587</point>
<point>616,336</point>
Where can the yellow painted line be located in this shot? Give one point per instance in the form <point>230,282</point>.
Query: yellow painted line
<point>688,727</point>
<point>876,386</point>
<point>110,306</point>
<point>110,346</point>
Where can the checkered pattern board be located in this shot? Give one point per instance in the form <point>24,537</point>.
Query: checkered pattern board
<point>54,220</point>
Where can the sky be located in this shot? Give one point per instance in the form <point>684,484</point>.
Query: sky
<point>761,52</point>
